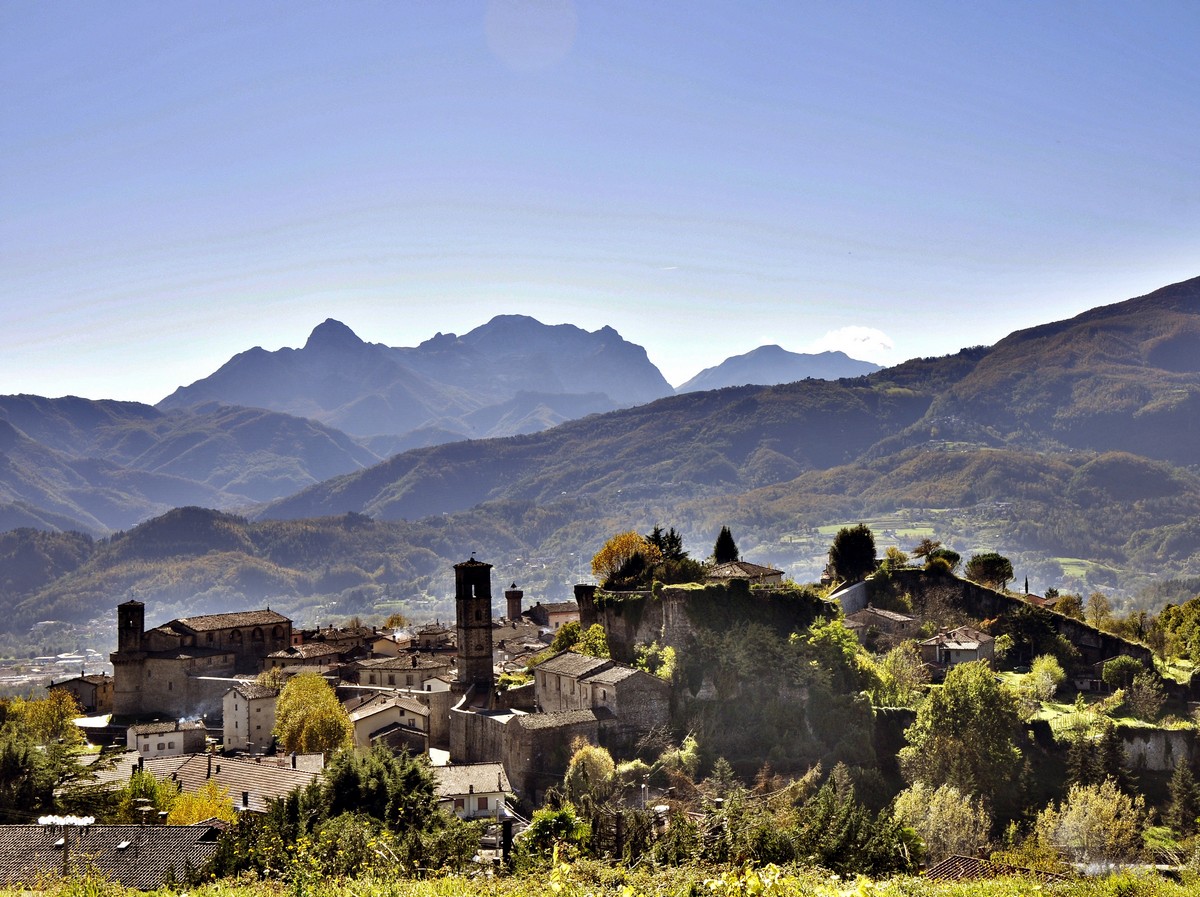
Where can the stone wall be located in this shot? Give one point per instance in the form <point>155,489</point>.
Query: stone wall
<point>1157,749</point>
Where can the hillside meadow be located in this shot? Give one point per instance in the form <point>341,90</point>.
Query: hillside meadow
<point>594,880</point>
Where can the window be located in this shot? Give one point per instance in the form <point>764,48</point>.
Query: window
<point>257,634</point>
<point>483,803</point>
<point>170,744</point>
<point>160,746</point>
<point>459,804</point>
<point>391,679</point>
<point>408,679</point>
<point>256,728</point>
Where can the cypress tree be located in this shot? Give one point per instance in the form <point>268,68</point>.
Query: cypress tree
<point>725,549</point>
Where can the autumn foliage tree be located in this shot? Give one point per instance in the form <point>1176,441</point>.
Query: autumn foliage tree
<point>309,718</point>
<point>623,559</point>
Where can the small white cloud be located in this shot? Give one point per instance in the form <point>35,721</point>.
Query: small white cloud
<point>862,343</point>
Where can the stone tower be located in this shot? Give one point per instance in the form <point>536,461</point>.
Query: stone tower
<point>131,624</point>
<point>473,610</point>
<point>513,596</point>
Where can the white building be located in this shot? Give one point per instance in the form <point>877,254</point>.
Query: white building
<point>473,790</point>
<point>249,712</point>
<point>170,739</point>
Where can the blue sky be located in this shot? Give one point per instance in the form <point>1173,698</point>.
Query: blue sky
<point>183,181</point>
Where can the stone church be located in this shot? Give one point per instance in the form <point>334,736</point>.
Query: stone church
<point>162,671</point>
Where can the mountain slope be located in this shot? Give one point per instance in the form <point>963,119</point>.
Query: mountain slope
<point>95,466</point>
<point>769,365</point>
<point>371,390</point>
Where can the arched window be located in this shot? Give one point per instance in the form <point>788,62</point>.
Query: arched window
<point>257,634</point>
<point>236,635</point>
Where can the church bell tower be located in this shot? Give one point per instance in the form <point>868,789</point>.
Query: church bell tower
<point>473,610</point>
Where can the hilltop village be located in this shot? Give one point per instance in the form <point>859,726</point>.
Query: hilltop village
<point>669,701</point>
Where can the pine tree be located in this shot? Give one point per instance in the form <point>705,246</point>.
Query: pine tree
<point>1113,764</point>
<point>725,549</point>
<point>1083,762</point>
<point>1185,801</point>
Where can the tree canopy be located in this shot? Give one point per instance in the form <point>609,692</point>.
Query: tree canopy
<point>310,718</point>
<point>852,554</point>
<point>964,735</point>
<point>990,569</point>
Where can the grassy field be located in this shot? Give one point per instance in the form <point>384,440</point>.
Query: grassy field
<point>595,880</point>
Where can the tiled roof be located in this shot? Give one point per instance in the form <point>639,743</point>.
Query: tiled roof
<point>309,649</point>
<point>741,570</point>
<point>561,718</point>
<point>406,662</point>
<point>870,611</point>
<point>90,679</point>
<point>568,663</point>
<point>963,868</point>
<point>261,779</point>
<point>558,607</point>
<point>163,728</point>
<point>964,637</point>
<point>141,857</point>
<point>252,691</point>
<point>463,778</point>
<point>209,622</point>
<point>611,675</point>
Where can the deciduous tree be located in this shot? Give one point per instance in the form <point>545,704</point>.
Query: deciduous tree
<point>309,717</point>
<point>1095,824</point>
<point>620,554</point>
<point>948,821</point>
<point>965,735</point>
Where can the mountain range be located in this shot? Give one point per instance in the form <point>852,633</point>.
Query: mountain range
<point>771,365</point>
<point>1071,446</point>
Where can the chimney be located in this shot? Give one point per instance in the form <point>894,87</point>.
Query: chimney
<point>245,799</point>
<point>513,596</point>
<point>208,775</point>
<point>293,759</point>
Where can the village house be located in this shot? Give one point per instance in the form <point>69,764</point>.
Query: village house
<point>552,616</point>
<point>169,739</point>
<point>412,671</point>
<point>93,693</point>
<point>880,629</point>
<point>308,654</point>
<point>951,647</point>
<point>395,720</point>
<point>473,790</point>
<point>570,681</point>
<point>392,644</point>
<point>248,717</point>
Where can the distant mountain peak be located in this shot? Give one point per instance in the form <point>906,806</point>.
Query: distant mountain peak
<point>332,334</point>
<point>772,364</point>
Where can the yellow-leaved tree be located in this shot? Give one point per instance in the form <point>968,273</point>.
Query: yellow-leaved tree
<point>212,801</point>
<point>624,557</point>
<point>309,717</point>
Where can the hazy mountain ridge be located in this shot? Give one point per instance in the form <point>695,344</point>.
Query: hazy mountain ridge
<point>988,438</point>
<point>448,385</point>
<point>772,365</point>
<point>96,466</point>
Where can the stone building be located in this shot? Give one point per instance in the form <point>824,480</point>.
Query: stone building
<point>174,669</point>
<point>635,699</point>
<point>249,717</point>
<point>94,693</point>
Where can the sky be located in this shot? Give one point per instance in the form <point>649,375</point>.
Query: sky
<point>180,182</point>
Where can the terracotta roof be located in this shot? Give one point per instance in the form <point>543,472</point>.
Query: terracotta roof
<point>463,778</point>
<point>557,607</point>
<point>209,622</point>
<point>964,868</point>
<point>142,857</point>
